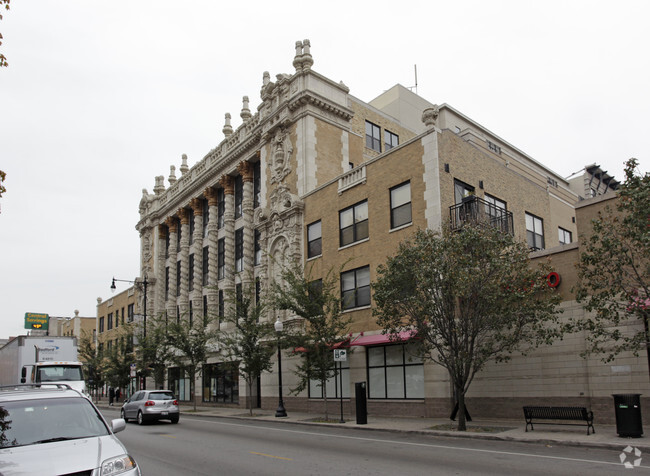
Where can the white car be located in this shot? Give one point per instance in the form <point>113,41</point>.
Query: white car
<point>51,429</point>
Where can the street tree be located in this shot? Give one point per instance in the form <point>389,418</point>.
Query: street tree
<point>323,325</point>
<point>191,339</point>
<point>465,297</point>
<point>153,351</point>
<point>614,271</point>
<point>117,363</point>
<point>88,354</point>
<point>247,339</point>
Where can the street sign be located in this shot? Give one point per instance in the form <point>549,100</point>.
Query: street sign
<point>340,355</point>
<point>133,371</point>
<point>34,320</point>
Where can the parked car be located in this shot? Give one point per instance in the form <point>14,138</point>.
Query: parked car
<point>53,429</point>
<point>151,405</point>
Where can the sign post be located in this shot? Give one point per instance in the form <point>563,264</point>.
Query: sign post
<point>340,356</point>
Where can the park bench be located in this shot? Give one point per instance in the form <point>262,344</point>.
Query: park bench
<point>559,414</point>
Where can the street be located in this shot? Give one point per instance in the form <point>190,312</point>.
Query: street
<point>208,446</point>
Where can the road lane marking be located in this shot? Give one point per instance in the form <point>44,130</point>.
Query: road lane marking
<point>270,456</point>
<point>408,443</point>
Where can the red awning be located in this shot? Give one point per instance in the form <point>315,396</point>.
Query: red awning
<point>383,338</point>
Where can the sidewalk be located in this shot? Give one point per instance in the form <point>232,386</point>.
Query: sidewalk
<point>504,430</point>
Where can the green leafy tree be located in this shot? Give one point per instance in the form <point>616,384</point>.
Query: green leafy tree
<point>247,340</point>
<point>467,297</point>
<point>3,176</point>
<point>94,372</point>
<point>117,364</point>
<point>324,326</point>
<point>614,271</point>
<point>191,340</point>
<point>153,351</point>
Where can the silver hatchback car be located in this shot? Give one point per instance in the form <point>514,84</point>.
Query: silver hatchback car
<point>53,429</point>
<point>151,405</point>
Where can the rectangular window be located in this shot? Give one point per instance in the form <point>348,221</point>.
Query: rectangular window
<point>166,283</point>
<point>395,371</point>
<point>131,312</point>
<point>191,317</point>
<point>258,291</point>
<point>222,305</point>
<point>496,210</point>
<point>206,218</point>
<point>314,240</point>
<point>178,235</point>
<point>239,196</point>
<point>205,307</point>
<point>565,236</point>
<point>205,258</point>
<point>373,136</point>
<point>221,258</point>
<point>178,278</point>
<point>353,223</point>
<point>390,140</point>
<point>355,288</point>
<point>167,242</point>
<point>221,207</point>
<point>192,224</point>
<point>101,324</point>
<point>257,184</point>
<point>534,232</point>
<point>400,205</point>
<point>258,248</point>
<point>117,318</point>
<point>239,250</point>
<point>462,190</point>
<point>191,272</point>
<point>109,323</point>
<point>333,384</point>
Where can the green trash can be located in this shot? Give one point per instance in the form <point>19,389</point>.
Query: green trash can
<point>628,415</point>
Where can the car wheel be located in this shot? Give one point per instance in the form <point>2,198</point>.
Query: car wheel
<point>175,419</point>
<point>123,415</point>
<point>140,418</point>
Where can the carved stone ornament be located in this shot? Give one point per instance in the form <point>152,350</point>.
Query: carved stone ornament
<point>430,116</point>
<point>281,150</point>
<point>145,202</point>
<point>282,199</point>
<point>147,254</point>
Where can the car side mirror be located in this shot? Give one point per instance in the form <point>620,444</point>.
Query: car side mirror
<point>118,425</point>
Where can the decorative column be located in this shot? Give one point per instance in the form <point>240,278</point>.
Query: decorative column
<point>246,171</point>
<point>228,185</point>
<point>197,296</point>
<point>213,237</point>
<point>184,259</point>
<point>172,225</point>
<point>159,303</point>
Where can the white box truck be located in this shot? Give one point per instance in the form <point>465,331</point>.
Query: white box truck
<point>31,359</point>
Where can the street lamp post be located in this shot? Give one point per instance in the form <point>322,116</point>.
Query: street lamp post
<point>144,283</point>
<point>280,412</point>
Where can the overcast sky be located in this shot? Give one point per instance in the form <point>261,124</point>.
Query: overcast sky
<point>102,96</point>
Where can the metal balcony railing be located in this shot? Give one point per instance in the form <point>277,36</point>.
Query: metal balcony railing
<point>476,210</point>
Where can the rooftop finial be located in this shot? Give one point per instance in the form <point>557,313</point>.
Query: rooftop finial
<point>307,59</point>
<point>184,167</point>
<point>430,116</point>
<point>172,175</point>
<point>245,111</point>
<point>227,128</point>
<point>297,60</point>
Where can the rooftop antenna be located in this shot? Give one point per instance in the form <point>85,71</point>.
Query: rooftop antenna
<point>416,80</point>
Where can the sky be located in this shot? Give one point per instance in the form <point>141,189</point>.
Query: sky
<point>102,96</point>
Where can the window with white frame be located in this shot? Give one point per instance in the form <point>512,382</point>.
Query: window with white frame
<point>373,136</point>
<point>400,205</point>
<point>355,288</point>
<point>395,371</point>
<point>314,239</point>
<point>564,236</point>
<point>534,232</point>
<point>353,223</point>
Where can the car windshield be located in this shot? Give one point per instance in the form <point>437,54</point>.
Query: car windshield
<point>58,373</point>
<point>161,396</point>
<point>28,422</point>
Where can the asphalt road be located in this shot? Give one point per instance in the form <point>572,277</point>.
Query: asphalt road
<point>209,446</point>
